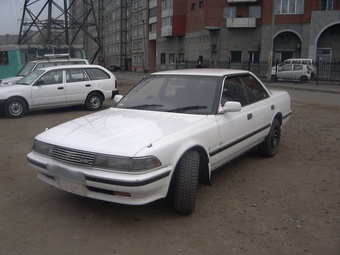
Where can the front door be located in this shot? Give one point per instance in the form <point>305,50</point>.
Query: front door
<point>49,90</point>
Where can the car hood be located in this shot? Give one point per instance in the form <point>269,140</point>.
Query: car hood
<point>117,131</point>
<point>10,80</point>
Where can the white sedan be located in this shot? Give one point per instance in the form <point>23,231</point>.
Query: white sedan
<point>58,86</point>
<point>168,134</point>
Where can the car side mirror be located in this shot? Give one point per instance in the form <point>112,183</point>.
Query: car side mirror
<point>230,106</point>
<point>117,98</point>
<point>39,82</point>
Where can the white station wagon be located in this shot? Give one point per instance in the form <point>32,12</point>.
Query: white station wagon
<point>58,86</point>
<point>168,134</point>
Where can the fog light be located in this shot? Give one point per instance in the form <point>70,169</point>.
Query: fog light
<point>123,194</point>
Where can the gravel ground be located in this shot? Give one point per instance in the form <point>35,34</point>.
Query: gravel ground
<point>288,204</point>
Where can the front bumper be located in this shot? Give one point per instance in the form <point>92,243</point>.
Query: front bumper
<point>123,188</point>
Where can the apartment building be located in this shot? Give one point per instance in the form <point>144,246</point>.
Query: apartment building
<point>152,35</point>
<point>242,30</point>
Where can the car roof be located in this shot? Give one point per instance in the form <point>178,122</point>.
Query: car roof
<point>202,72</point>
<point>69,67</point>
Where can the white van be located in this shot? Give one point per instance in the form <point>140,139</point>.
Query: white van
<point>302,61</point>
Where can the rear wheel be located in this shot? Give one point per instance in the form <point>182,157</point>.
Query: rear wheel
<point>187,183</point>
<point>15,108</point>
<point>271,144</point>
<point>94,101</point>
<point>303,78</point>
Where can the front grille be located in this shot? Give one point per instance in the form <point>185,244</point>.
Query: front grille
<point>74,157</point>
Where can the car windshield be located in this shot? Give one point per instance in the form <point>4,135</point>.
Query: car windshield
<point>26,69</point>
<point>31,77</point>
<point>174,93</point>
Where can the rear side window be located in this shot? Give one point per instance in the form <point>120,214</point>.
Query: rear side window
<point>97,74</point>
<point>75,75</point>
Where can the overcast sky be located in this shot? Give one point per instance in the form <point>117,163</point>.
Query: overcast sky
<point>11,13</point>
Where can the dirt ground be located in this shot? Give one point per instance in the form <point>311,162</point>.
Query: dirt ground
<point>288,204</point>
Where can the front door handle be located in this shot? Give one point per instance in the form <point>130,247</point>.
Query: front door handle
<point>249,116</point>
<point>88,85</point>
<point>60,88</point>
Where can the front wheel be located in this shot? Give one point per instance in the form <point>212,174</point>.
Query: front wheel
<point>271,143</point>
<point>187,183</point>
<point>15,108</point>
<point>94,101</point>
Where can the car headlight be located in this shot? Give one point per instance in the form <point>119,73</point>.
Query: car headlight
<point>42,148</point>
<point>126,164</point>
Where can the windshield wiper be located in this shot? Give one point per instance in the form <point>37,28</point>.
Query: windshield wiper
<point>188,108</point>
<point>142,106</point>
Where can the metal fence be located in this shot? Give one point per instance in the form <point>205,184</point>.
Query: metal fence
<point>325,71</point>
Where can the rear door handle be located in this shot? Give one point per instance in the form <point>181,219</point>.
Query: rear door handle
<point>60,88</point>
<point>249,116</point>
<point>88,85</point>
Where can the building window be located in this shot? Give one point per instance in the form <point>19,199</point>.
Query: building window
<point>229,12</point>
<point>167,21</point>
<point>180,56</point>
<point>254,57</point>
<point>153,12</point>
<point>236,56</point>
<point>162,58</point>
<point>171,58</point>
<point>193,6</point>
<point>254,11</point>
<point>327,5</point>
<point>166,4</point>
<point>152,27</point>
<point>201,4</point>
<point>289,6</point>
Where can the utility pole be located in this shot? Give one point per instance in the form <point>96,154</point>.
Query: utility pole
<point>271,43</point>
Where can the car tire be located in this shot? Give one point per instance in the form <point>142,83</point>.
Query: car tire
<point>94,101</point>
<point>270,146</point>
<point>303,78</point>
<point>186,183</point>
<point>15,108</point>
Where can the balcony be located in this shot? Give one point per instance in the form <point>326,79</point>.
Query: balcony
<point>242,1</point>
<point>166,31</point>
<point>241,22</point>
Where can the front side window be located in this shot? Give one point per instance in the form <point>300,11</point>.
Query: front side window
<point>289,6</point>
<point>52,77</point>
<point>244,89</point>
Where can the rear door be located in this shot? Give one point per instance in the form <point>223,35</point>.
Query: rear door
<point>78,85</point>
<point>49,90</point>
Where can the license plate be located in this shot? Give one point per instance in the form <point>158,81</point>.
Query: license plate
<point>72,187</point>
